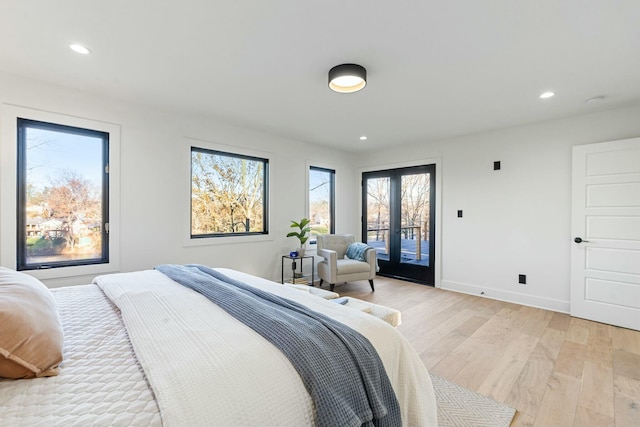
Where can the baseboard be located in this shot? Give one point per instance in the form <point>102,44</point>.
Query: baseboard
<point>513,297</point>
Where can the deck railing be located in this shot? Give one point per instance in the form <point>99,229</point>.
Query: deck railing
<point>413,229</point>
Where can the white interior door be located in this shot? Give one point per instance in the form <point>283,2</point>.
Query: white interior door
<point>605,253</point>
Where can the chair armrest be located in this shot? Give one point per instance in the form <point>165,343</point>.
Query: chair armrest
<point>328,254</point>
<point>371,255</point>
<point>331,257</point>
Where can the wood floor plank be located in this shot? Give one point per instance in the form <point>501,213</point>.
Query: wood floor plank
<point>526,394</point>
<point>570,360</point>
<point>626,364</point>
<point>554,369</point>
<point>560,400</point>
<point>492,338</point>
<point>505,373</point>
<point>627,386</point>
<point>627,411</point>
<point>537,320</point>
<point>436,331</point>
<point>522,420</point>
<point>560,321</point>
<point>445,345</point>
<point>596,392</point>
<point>626,339</point>
<point>551,340</point>
<point>475,372</point>
<point>449,366</point>
<point>442,348</point>
<point>578,332</point>
<point>600,344</point>
<point>627,401</point>
<point>588,417</point>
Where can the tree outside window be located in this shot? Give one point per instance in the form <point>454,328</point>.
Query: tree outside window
<point>321,200</point>
<point>228,194</point>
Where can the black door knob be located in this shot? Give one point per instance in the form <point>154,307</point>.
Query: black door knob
<point>579,240</point>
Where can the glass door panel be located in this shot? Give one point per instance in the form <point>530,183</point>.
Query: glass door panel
<point>378,220</point>
<point>415,214</point>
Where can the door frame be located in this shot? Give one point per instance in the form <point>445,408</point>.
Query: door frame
<point>437,161</point>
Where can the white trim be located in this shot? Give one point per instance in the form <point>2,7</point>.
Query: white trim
<point>9,115</point>
<point>187,241</point>
<point>438,209</point>
<point>507,296</point>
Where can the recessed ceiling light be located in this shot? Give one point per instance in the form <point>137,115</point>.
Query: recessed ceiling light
<point>78,48</point>
<point>363,138</point>
<point>547,94</point>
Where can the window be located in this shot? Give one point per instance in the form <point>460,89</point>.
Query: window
<point>228,194</point>
<point>63,202</point>
<point>321,200</point>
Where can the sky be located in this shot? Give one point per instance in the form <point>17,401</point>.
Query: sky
<point>319,181</point>
<point>50,152</point>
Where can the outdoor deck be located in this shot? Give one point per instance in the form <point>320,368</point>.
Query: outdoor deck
<point>407,251</point>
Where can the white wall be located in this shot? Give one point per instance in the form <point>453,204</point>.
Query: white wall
<point>155,180</point>
<point>516,220</point>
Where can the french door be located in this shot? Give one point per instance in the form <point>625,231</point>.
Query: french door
<point>398,208</point>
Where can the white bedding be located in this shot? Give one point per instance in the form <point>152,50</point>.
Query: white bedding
<point>205,367</point>
<point>100,381</point>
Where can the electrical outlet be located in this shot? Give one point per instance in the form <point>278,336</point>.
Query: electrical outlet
<point>460,214</point>
<point>522,279</point>
<point>496,165</point>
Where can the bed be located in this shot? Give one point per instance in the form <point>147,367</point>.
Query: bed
<point>143,350</point>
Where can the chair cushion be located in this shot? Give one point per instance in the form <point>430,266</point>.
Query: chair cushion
<point>350,266</point>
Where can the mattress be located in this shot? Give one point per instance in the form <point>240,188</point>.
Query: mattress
<point>100,381</point>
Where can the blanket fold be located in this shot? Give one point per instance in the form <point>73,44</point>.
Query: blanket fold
<point>326,354</point>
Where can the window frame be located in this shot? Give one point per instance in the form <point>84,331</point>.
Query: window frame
<point>265,193</point>
<point>21,247</point>
<point>8,192</point>
<point>332,197</point>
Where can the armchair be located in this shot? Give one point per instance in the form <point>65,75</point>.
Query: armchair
<point>335,268</point>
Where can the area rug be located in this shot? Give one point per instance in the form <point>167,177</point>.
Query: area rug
<point>459,407</point>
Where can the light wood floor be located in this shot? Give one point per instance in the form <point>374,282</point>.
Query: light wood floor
<point>554,369</point>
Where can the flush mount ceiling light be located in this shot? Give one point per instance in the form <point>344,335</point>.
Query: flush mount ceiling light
<point>78,48</point>
<point>347,78</point>
<point>547,94</point>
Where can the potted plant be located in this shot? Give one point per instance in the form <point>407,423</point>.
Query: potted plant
<point>302,235</point>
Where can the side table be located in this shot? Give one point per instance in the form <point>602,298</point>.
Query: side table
<point>298,277</point>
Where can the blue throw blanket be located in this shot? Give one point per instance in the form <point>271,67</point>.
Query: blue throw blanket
<point>356,251</point>
<point>339,367</point>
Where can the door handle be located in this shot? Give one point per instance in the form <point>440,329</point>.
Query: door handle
<point>579,240</point>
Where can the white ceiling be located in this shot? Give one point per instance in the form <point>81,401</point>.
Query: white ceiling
<point>436,69</point>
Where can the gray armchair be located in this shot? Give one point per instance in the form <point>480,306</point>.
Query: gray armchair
<point>335,268</point>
